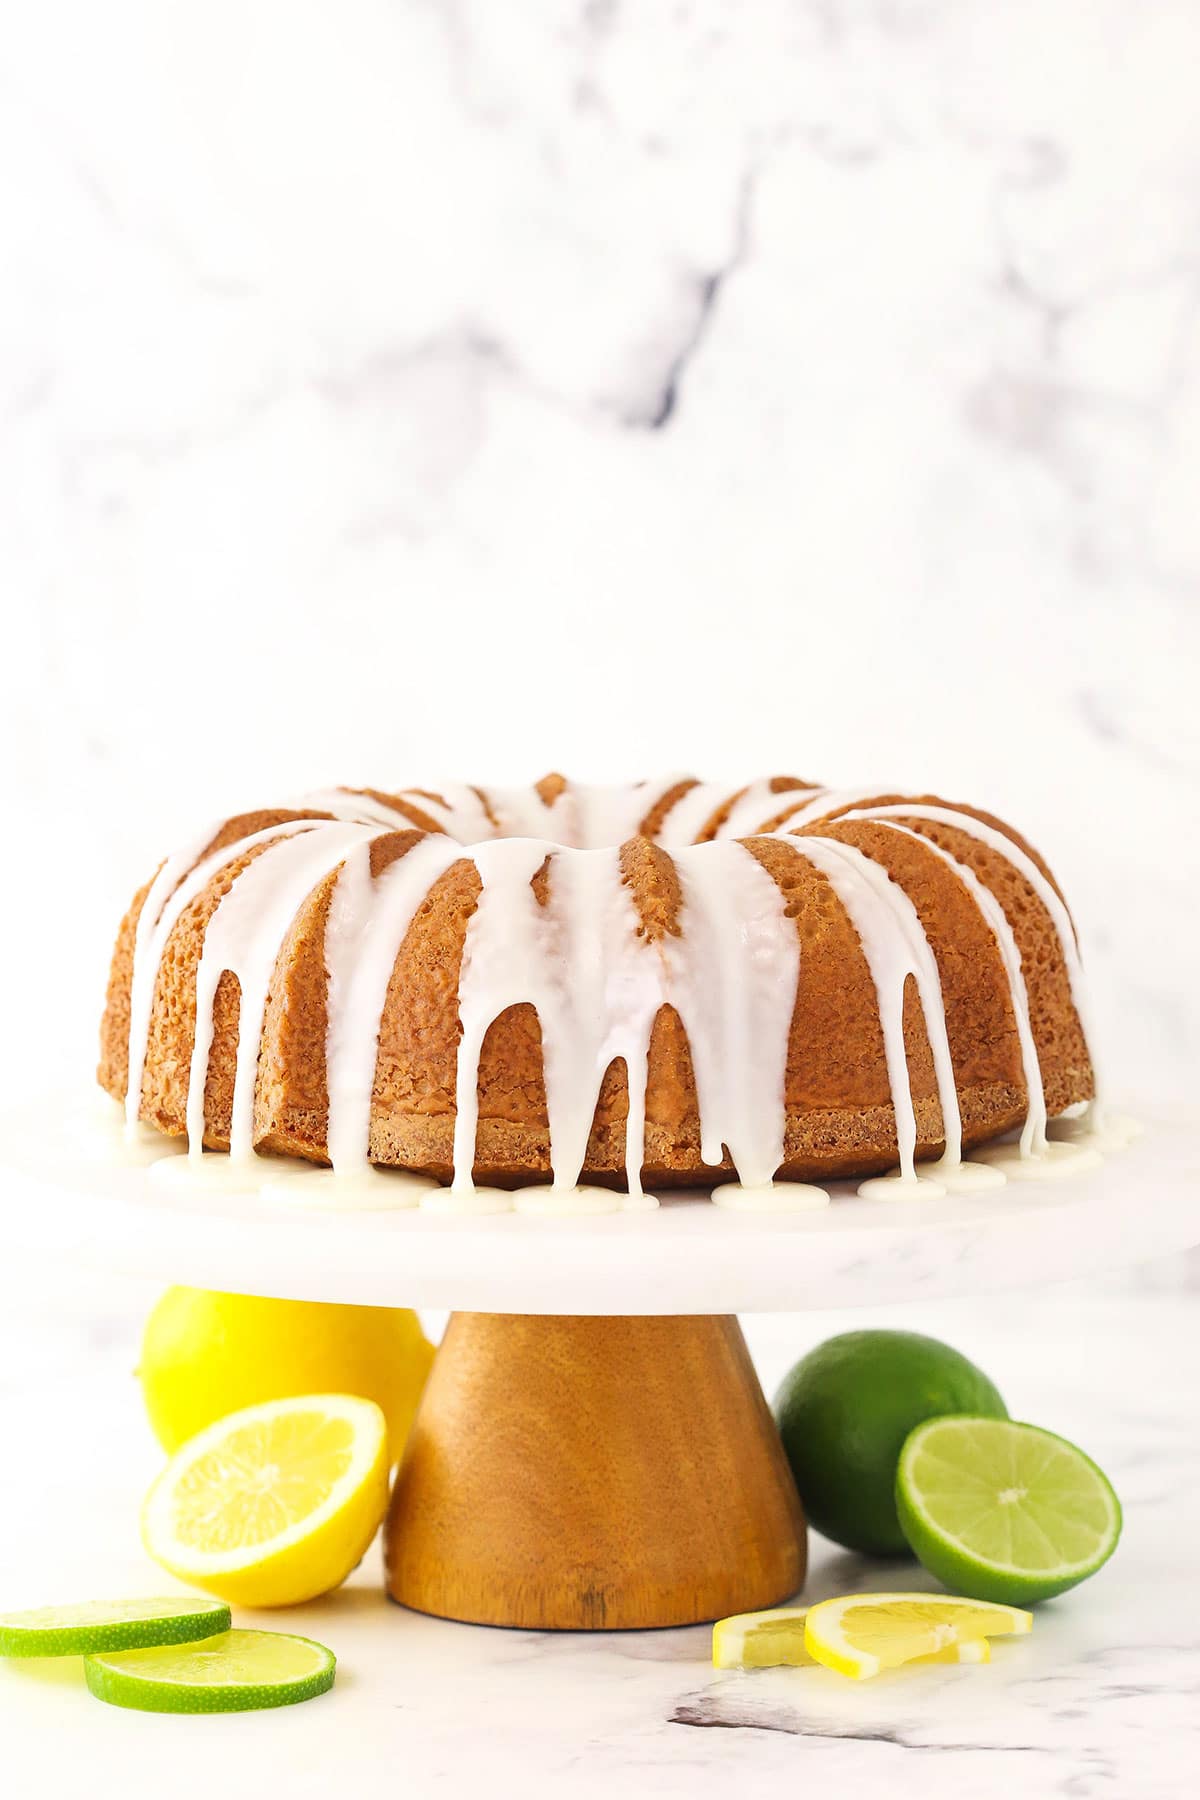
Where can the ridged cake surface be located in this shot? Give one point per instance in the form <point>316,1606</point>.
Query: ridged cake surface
<point>669,983</point>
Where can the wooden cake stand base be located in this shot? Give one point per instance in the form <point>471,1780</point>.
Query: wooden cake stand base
<point>586,1474</point>
<point>589,1471</point>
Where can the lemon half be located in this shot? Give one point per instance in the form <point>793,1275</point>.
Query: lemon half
<point>274,1504</point>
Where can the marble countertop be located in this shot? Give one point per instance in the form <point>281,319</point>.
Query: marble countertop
<point>827,373</point>
<point>357,366</point>
<point>1100,1701</point>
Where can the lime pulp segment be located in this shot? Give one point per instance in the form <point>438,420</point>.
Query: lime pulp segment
<point>1003,1511</point>
<point>97,1625</point>
<point>240,1671</point>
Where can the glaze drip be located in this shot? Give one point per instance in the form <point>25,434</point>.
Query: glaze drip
<point>555,927</point>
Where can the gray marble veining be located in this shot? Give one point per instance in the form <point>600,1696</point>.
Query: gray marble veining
<point>829,375</point>
<point>1101,1699</point>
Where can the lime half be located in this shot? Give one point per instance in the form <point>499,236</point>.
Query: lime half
<point>240,1671</point>
<point>110,1625</point>
<point>1004,1512</point>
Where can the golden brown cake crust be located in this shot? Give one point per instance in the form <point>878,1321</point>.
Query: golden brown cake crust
<point>839,1114</point>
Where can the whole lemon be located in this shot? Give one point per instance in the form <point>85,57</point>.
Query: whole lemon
<point>844,1412</point>
<point>205,1355</point>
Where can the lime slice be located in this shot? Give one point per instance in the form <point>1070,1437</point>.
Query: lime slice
<point>110,1625</point>
<point>1002,1511</point>
<point>240,1671</point>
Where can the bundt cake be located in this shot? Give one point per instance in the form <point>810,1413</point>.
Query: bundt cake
<point>663,984</point>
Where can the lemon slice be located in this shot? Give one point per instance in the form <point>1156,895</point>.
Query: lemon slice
<point>773,1639</point>
<point>274,1504</point>
<point>863,1633</point>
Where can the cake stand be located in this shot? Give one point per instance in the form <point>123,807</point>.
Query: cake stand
<point>593,1449</point>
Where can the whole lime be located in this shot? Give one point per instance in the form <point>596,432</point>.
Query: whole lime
<point>844,1412</point>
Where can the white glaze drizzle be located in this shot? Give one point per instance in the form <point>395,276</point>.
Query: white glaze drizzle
<point>113,1140</point>
<point>691,813</point>
<point>605,816</point>
<point>243,937</point>
<point>597,987</point>
<point>576,1202</point>
<point>579,962</point>
<point>772,1196</point>
<point>1033,1133</point>
<point>522,813</point>
<point>608,1003</point>
<point>596,983</point>
<point>756,807</point>
<point>367,924</point>
<point>1114,1132</point>
<point>205,1174</point>
<point>351,808</point>
<point>820,803</point>
<point>731,975</point>
<point>172,890</point>
<point>896,1185</point>
<point>1045,890</point>
<point>968,1178</point>
<point>1055,1160</point>
<point>501,967</point>
<point>895,946</point>
<point>456,809</point>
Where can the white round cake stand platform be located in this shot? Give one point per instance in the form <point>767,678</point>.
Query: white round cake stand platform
<point>593,1449</point>
<point>686,1257</point>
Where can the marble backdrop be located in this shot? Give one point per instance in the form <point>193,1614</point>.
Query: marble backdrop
<point>394,390</point>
